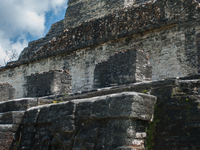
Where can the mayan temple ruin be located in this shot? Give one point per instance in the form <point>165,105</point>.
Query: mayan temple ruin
<point>112,75</point>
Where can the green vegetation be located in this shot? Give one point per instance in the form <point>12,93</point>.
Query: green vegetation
<point>144,91</point>
<point>57,101</point>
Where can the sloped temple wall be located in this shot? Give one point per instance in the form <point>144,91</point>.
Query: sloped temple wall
<point>166,49</point>
<point>79,11</point>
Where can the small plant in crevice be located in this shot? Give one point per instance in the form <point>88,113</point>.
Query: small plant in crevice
<point>57,101</point>
<point>188,133</point>
<point>144,91</point>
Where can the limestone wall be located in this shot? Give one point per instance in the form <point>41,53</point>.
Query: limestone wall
<point>170,38</point>
<point>167,55</point>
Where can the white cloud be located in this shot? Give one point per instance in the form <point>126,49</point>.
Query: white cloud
<point>2,56</point>
<point>22,17</point>
<point>7,44</point>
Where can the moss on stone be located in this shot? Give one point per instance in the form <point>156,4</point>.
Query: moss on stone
<point>152,129</point>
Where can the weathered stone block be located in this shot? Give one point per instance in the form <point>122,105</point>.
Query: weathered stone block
<point>177,115</point>
<point>124,67</point>
<point>104,122</point>
<point>7,92</point>
<point>13,117</point>
<point>48,83</point>
<point>18,104</point>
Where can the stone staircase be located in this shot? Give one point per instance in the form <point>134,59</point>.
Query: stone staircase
<point>176,120</point>
<point>11,115</point>
<point>178,115</point>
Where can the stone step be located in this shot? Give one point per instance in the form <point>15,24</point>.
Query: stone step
<point>191,83</point>
<point>33,46</point>
<point>185,140</point>
<point>18,104</point>
<point>55,29</point>
<point>54,34</point>
<point>193,124</point>
<point>13,117</point>
<point>8,128</point>
<point>59,29</point>
<point>190,77</point>
<point>185,104</point>
<point>45,40</point>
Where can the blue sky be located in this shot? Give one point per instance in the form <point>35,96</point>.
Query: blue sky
<point>22,21</point>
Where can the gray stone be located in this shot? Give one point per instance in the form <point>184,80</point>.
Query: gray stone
<point>169,37</point>
<point>79,11</point>
<point>93,42</point>
<point>33,46</point>
<point>18,104</point>
<point>8,127</point>
<point>125,67</point>
<point>12,117</point>
<point>109,120</point>
<point>48,83</point>
<point>7,92</point>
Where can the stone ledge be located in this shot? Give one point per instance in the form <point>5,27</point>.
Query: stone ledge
<point>141,87</point>
<point>115,117</point>
<point>13,117</point>
<point>18,104</point>
<point>8,128</point>
<point>107,106</point>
